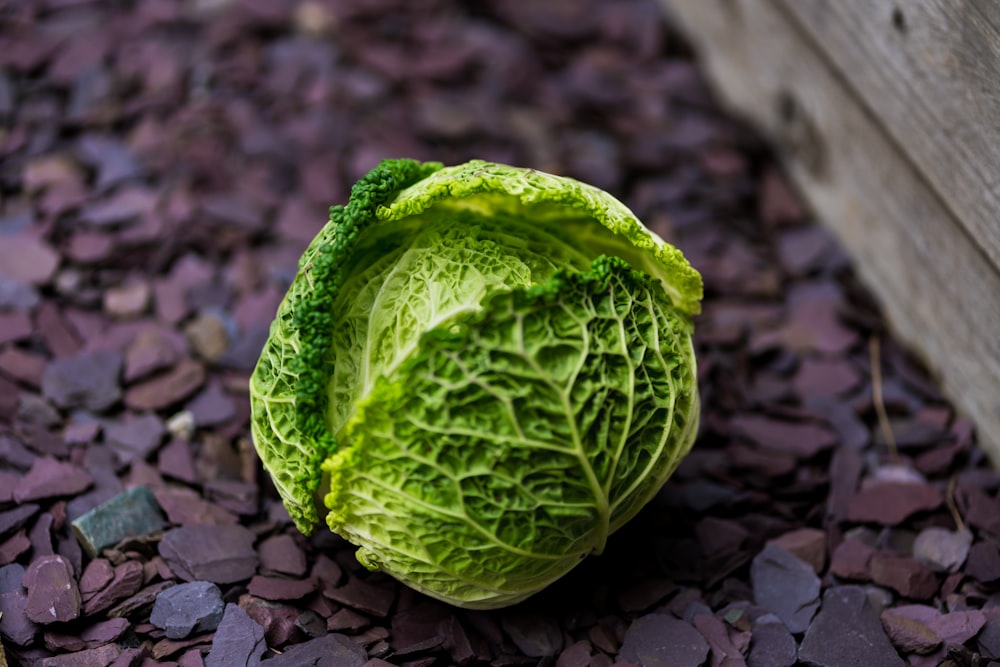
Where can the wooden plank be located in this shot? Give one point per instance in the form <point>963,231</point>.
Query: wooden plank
<point>940,292</point>
<point>930,72</point>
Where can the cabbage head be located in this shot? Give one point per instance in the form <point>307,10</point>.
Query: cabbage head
<point>479,373</point>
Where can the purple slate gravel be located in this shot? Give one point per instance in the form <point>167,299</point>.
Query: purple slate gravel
<point>163,166</point>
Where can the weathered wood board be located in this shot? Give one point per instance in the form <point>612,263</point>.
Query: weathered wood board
<point>900,167</point>
<point>930,72</point>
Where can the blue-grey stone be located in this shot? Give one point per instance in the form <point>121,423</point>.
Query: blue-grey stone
<point>239,640</point>
<point>89,380</point>
<point>786,586</point>
<point>847,632</point>
<point>188,608</point>
<point>11,577</point>
<point>771,644</point>
<point>331,650</point>
<point>660,640</point>
<point>133,513</point>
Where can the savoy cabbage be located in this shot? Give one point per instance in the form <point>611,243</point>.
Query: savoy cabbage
<point>478,374</point>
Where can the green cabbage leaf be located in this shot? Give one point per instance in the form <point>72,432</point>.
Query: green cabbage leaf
<point>478,374</point>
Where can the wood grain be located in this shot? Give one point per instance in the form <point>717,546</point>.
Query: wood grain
<point>938,287</point>
<point>930,73</point>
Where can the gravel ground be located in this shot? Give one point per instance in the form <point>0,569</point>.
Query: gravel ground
<point>162,165</point>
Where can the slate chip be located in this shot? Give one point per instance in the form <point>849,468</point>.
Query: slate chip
<point>577,654</point>
<point>98,574</point>
<point>134,513</point>
<point>852,560</point>
<point>89,380</point>
<point>660,640</point>
<point>278,619</point>
<point>847,632</point>
<point>981,510</point>
<point>11,576</point>
<point>957,627</point>
<point>17,294</point>
<point>347,620</point>
<point>186,508</point>
<point>806,544</point>
<point>234,495</point>
<point>721,646</point>
<point>150,351</point>
<point>13,453</point>
<point>361,595</point>
<point>535,635</point>
<point>983,562</point>
<point>909,634</point>
<point>890,503</point>
<point>27,259</point>
<point>15,626</point>
<point>175,460</point>
<point>801,440</point>
<point>822,378</point>
<point>331,650</point>
<point>112,159</point>
<point>239,640</point>
<point>8,480</point>
<point>942,550</point>
<point>988,640</point>
<point>126,580</point>
<point>164,390</point>
<point>12,548</point>
<point>221,554</point>
<point>124,206</point>
<point>91,637</point>
<point>194,607</point>
<point>134,436</point>
<point>280,553</point>
<point>50,478</point>
<point>53,595</point>
<point>93,657</point>
<point>14,519</point>
<point>904,575</point>
<point>786,586</point>
<point>212,406</point>
<point>280,588</point>
<point>771,644</point>
<point>141,600</point>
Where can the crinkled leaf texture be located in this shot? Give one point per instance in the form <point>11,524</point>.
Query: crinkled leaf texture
<point>479,373</point>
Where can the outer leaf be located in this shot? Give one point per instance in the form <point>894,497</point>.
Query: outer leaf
<point>561,203</point>
<point>288,388</point>
<point>517,438</point>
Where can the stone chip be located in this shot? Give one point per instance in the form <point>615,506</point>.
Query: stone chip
<point>27,259</point>
<point>786,586</point>
<point>53,595</point>
<point>164,390</point>
<point>89,380</point>
<point>134,513</point>
<point>909,634</point>
<point>660,640</point>
<point>847,632</point>
<point>891,503</point>
<point>221,554</point>
<point>330,650</point>
<point>239,640</point>
<point>941,549</point>
<point>50,478</point>
<point>193,607</point>
<point>903,575</point>
<point>771,644</point>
